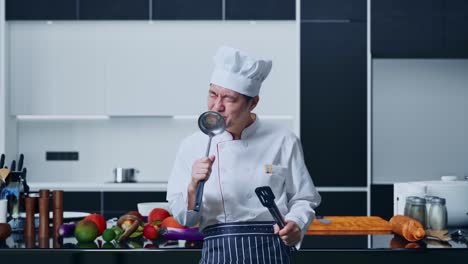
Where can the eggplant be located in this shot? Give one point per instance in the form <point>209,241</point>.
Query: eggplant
<point>173,233</point>
<point>67,230</point>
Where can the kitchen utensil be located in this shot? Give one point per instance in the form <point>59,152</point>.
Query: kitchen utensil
<point>13,165</point>
<point>322,220</point>
<point>438,234</point>
<point>2,161</point>
<point>267,198</point>
<point>20,162</point>
<point>212,124</point>
<point>4,174</point>
<point>125,175</point>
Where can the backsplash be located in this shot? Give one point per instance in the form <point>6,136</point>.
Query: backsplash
<point>146,143</point>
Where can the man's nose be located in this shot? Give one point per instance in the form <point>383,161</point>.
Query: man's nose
<point>218,105</point>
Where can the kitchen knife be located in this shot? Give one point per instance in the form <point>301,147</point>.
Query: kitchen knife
<point>2,161</point>
<point>13,166</point>
<point>267,198</point>
<point>20,162</point>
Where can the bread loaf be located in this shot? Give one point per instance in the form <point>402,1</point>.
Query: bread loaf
<point>410,229</point>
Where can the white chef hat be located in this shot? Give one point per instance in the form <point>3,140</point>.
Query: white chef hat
<point>239,71</point>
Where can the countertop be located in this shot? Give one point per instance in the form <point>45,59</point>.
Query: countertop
<point>99,186</point>
<point>379,249</point>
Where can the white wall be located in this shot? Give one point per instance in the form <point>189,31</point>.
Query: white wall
<point>2,77</point>
<point>146,143</point>
<point>161,56</point>
<point>420,119</point>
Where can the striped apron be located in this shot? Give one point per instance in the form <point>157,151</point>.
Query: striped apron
<point>243,242</point>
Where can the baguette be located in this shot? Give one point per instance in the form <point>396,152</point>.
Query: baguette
<point>410,229</point>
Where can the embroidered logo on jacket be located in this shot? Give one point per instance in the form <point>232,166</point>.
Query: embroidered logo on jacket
<point>268,168</point>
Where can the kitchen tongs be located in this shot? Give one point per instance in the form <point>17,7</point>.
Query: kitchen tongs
<point>267,198</point>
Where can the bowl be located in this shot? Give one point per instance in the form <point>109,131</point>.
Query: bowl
<point>145,208</point>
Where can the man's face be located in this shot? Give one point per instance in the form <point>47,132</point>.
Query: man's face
<point>233,106</point>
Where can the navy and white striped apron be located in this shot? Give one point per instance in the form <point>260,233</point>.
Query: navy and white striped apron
<point>243,242</point>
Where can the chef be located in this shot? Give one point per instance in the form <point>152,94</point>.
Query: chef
<point>249,154</point>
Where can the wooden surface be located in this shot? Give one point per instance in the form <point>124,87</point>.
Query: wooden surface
<point>350,225</point>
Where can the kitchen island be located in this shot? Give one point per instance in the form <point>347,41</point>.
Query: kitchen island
<point>386,248</point>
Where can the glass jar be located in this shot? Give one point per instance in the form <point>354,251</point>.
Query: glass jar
<point>408,204</point>
<point>418,210</point>
<point>428,207</point>
<point>438,214</point>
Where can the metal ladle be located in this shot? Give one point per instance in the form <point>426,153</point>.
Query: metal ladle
<point>212,124</point>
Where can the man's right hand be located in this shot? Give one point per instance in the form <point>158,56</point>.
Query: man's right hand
<point>201,170</point>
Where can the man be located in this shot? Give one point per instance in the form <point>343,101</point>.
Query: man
<point>249,154</point>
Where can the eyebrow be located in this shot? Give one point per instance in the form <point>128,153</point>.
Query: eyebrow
<point>224,96</point>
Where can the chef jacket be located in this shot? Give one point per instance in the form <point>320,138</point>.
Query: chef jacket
<point>266,155</point>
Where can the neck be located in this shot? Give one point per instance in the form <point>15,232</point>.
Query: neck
<point>236,133</point>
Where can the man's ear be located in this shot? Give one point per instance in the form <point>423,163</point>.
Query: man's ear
<point>254,103</point>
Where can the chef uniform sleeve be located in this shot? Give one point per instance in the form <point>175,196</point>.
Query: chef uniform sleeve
<point>177,190</point>
<point>302,195</point>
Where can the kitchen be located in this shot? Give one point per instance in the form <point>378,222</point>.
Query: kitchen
<point>87,85</point>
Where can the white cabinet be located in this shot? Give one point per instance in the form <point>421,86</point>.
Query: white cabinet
<point>138,68</point>
<point>55,69</point>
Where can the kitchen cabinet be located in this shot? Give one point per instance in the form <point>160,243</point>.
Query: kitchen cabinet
<point>413,8</point>
<point>67,84</point>
<point>351,203</point>
<point>260,9</point>
<point>419,29</point>
<point>89,202</point>
<point>382,200</point>
<point>187,10</point>
<point>355,10</point>
<point>407,37</point>
<point>456,36</point>
<point>116,204</point>
<point>114,9</point>
<point>334,102</point>
<point>41,10</point>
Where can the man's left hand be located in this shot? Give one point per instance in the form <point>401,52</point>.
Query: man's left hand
<point>290,234</point>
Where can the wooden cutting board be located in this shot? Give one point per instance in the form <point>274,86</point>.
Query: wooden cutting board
<point>350,225</point>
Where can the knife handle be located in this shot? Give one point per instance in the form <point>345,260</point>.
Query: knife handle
<point>199,196</point>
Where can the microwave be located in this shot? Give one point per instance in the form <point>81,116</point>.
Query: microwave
<point>455,193</point>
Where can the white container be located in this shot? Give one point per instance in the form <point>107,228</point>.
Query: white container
<point>145,208</point>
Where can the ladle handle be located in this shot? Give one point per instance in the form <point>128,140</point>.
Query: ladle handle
<point>199,196</point>
<point>201,184</point>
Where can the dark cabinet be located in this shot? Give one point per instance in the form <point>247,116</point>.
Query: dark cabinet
<point>187,9</point>
<point>118,203</point>
<point>456,36</point>
<point>413,8</point>
<point>355,10</point>
<point>89,202</point>
<point>114,9</point>
<point>260,9</point>
<point>41,9</point>
<point>456,7</point>
<point>343,204</point>
<point>419,29</point>
<point>334,102</point>
<point>407,37</point>
<point>382,200</point>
